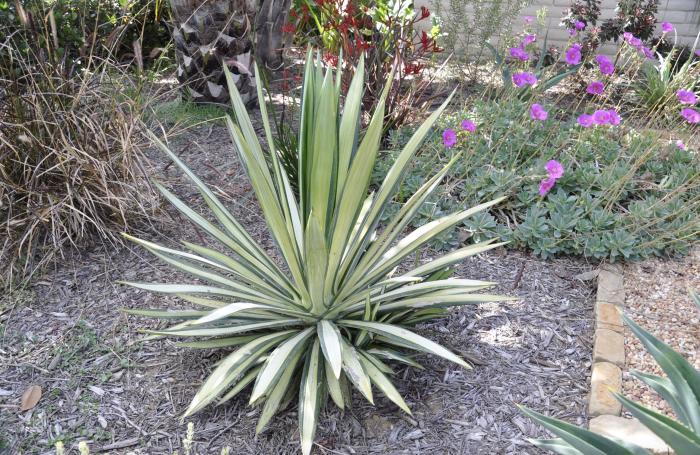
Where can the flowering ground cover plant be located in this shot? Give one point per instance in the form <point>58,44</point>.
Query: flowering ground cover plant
<point>584,185</point>
<point>341,311</point>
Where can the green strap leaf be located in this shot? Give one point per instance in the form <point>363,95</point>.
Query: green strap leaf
<point>310,399</point>
<point>384,384</point>
<point>330,338</point>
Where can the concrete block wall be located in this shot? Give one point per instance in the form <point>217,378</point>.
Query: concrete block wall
<point>683,14</point>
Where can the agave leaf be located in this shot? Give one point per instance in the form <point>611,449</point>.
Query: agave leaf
<point>663,387</point>
<point>416,342</point>
<point>310,399</point>
<point>330,338</point>
<point>556,445</point>
<point>355,372</point>
<point>278,360</point>
<point>278,392</point>
<point>679,437</point>
<point>582,440</point>
<point>383,383</point>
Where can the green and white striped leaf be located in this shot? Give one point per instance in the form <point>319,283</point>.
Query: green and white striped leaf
<point>383,383</point>
<point>330,338</point>
<point>310,398</point>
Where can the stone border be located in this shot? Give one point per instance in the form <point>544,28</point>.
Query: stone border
<point>608,361</point>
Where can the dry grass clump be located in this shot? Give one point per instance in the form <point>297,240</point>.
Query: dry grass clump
<point>71,162</point>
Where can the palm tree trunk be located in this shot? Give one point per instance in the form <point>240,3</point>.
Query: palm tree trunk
<point>270,40</point>
<point>209,34</point>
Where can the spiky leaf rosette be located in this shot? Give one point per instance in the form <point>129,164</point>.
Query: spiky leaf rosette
<point>340,313</point>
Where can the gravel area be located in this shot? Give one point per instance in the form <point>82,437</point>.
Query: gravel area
<point>656,298</point>
<point>67,335</point>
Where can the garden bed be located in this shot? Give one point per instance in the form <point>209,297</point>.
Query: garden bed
<point>67,335</point>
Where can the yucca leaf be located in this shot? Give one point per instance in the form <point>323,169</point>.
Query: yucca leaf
<point>218,342</point>
<point>685,378</point>
<point>678,437</point>
<point>221,331</point>
<point>317,262</point>
<point>330,339</point>
<point>277,394</point>
<point>310,398</point>
<point>584,441</point>
<point>231,367</point>
<point>416,342</point>
<point>384,384</point>
<point>240,385</point>
<point>349,124</point>
<point>334,388</point>
<point>556,445</point>
<point>167,314</point>
<point>278,360</point>
<point>393,355</point>
<point>452,258</point>
<point>355,372</point>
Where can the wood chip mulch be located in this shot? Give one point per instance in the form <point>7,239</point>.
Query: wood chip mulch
<point>656,298</point>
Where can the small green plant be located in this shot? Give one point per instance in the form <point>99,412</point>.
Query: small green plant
<point>680,389</point>
<point>660,80</point>
<point>624,193</point>
<point>342,310</point>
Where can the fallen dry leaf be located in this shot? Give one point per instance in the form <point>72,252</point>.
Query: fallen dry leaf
<point>30,398</point>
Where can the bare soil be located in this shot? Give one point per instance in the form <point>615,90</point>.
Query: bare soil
<point>67,334</point>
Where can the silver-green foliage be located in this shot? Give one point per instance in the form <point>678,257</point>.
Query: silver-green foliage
<point>341,310</point>
<point>680,389</point>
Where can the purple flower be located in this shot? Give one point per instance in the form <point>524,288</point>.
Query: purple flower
<point>605,64</point>
<point>627,36</point>
<point>468,125</point>
<point>522,79</point>
<point>572,31</point>
<point>601,117</point>
<point>697,53</point>
<point>573,54</point>
<point>595,88</point>
<point>554,169</point>
<point>449,138</point>
<point>537,112</point>
<point>519,53</point>
<point>615,118</point>
<point>585,120</point>
<point>528,19</point>
<point>647,53</point>
<point>546,185</point>
<point>635,42</point>
<point>578,25</point>
<point>666,27</point>
<point>681,145</point>
<point>690,114</point>
<point>529,39</point>
<point>686,97</point>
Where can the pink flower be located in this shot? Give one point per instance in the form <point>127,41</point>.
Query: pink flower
<point>605,64</point>
<point>468,125</point>
<point>681,145</point>
<point>628,36</point>
<point>573,54</point>
<point>528,19</point>
<point>686,97</point>
<point>601,117</point>
<point>449,138</point>
<point>595,88</point>
<point>585,120</point>
<point>578,25</point>
<point>519,53</point>
<point>666,27</point>
<point>537,112</point>
<point>546,185</point>
<point>691,115</point>
<point>554,169</point>
<point>522,79</point>
<point>529,39</point>
<point>615,118</point>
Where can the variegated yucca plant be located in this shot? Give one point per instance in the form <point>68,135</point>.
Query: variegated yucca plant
<point>680,389</point>
<point>335,312</point>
